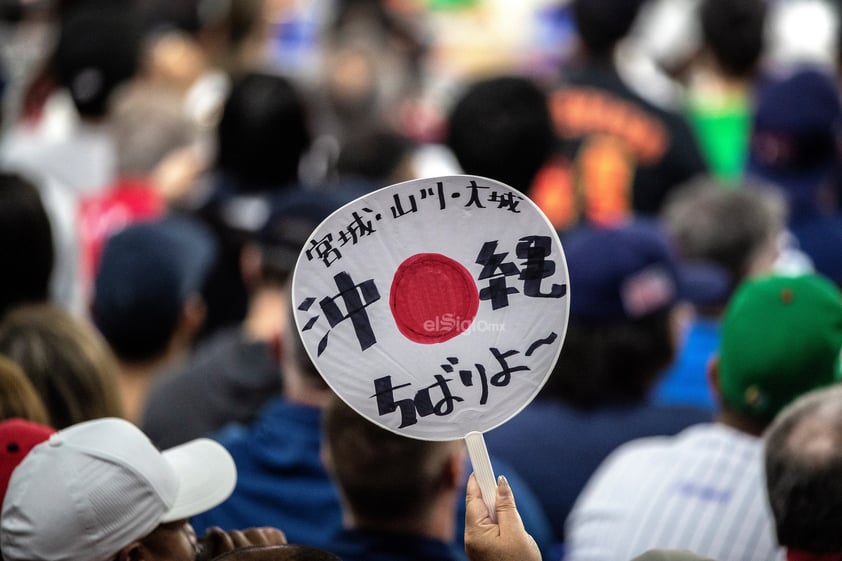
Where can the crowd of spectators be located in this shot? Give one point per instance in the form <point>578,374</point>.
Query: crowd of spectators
<point>163,163</point>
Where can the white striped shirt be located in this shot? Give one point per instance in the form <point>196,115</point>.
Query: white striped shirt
<point>702,490</point>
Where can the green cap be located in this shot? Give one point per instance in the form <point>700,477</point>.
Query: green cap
<point>781,337</point>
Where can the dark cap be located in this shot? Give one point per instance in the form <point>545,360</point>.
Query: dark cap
<point>292,217</point>
<point>98,49</point>
<point>146,272</point>
<point>630,272</point>
<point>794,140</point>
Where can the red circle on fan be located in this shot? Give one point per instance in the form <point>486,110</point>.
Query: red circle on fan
<point>433,298</point>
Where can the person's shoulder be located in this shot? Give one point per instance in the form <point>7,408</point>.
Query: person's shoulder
<point>236,436</point>
<point>276,416</point>
<point>194,372</point>
<point>647,452</point>
<point>673,418</point>
<point>232,434</point>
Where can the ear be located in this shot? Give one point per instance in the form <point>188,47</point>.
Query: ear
<point>193,314</point>
<point>713,378</point>
<point>326,457</point>
<point>251,262</point>
<point>132,552</point>
<point>276,345</point>
<point>680,317</point>
<point>454,468</point>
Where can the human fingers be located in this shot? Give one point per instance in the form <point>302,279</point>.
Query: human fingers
<point>508,517</point>
<point>476,511</point>
<point>265,535</point>
<point>215,542</point>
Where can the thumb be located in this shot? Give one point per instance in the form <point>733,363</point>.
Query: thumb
<point>507,514</point>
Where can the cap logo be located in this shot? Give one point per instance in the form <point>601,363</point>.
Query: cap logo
<point>87,84</point>
<point>753,397</point>
<point>649,290</point>
<point>786,295</point>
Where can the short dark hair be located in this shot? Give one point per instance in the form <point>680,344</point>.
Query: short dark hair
<point>803,460</point>
<point>601,24</point>
<point>373,154</point>
<point>26,243</point>
<point>501,128</point>
<point>734,32</point>
<point>382,476</point>
<point>611,362</point>
<point>263,133</point>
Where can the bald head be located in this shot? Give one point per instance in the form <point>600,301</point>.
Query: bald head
<point>803,456</point>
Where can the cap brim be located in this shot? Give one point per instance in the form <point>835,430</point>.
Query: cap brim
<point>704,283</point>
<point>206,477</point>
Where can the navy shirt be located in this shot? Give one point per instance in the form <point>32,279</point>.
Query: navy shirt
<point>371,545</point>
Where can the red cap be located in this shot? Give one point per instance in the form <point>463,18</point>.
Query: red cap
<point>17,438</point>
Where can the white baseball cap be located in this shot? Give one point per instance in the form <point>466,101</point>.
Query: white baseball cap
<point>96,486</point>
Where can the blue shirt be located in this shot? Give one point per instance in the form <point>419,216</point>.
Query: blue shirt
<point>685,383</point>
<point>280,478</point>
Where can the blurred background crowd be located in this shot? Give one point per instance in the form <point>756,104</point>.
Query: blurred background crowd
<point>163,162</point>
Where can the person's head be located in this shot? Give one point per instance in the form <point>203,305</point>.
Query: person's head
<point>803,461</point>
<point>232,34</point>
<point>500,127</point>
<point>734,33</point>
<point>101,491</point>
<point>27,249</point>
<point>147,292</point>
<point>621,334</point>
<point>147,124</point>
<point>18,397</point>
<point>97,50</point>
<point>794,142</point>
<point>264,132</point>
<point>71,367</point>
<point>601,24</point>
<point>734,229</point>
<point>375,157</point>
<point>289,220</point>
<point>387,480</point>
<point>781,337</point>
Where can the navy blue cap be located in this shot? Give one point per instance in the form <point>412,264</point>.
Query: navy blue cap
<point>630,272</point>
<point>146,272</point>
<point>794,139</point>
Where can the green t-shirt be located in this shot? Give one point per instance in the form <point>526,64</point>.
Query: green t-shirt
<point>723,128</point>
